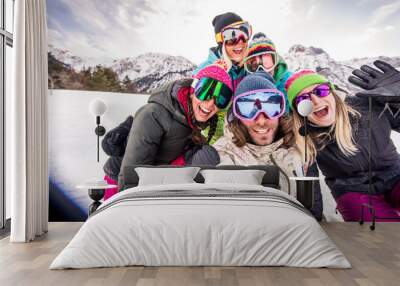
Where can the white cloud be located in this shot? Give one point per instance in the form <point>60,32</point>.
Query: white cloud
<point>177,27</point>
<point>310,13</point>
<point>389,28</point>
<point>384,12</point>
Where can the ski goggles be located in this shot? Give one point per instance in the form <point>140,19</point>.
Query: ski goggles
<point>235,32</point>
<point>321,90</point>
<point>249,105</point>
<point>208,88</point>
<point>257,62</point>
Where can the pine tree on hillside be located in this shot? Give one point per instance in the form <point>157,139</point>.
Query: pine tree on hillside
<point>128,85</point>
<point>104,79</point>
<point>55,69</point>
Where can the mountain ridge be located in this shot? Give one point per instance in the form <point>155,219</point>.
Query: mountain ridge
<point>148,71</point>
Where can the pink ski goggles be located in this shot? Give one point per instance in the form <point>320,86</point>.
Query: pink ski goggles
<point>249,105</point>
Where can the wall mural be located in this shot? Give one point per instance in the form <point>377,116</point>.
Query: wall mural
<point>122,52</point>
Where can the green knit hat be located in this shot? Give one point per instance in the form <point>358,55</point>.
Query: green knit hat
<point>301,80</point>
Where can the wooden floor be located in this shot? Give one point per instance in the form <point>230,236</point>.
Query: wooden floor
<point>374,255</point>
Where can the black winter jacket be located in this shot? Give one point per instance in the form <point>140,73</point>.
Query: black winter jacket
<point>350,174</point>
<point>160,130</point>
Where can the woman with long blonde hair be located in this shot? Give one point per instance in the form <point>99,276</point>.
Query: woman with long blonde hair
<point>337,139</point>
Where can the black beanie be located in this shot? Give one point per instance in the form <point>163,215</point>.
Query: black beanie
<point>221,21</point>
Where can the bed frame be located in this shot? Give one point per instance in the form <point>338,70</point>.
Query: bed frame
<point>129,178</point>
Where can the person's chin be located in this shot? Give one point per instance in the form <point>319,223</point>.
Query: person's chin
<point>238,60</point>
<point>261,140</point>
<point>203,116</point>
<point>324,121</point>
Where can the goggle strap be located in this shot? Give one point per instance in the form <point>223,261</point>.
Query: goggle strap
<point>218,37</point>
<point>233,25</point>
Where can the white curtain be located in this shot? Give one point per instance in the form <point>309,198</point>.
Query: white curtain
<point>28,159</point>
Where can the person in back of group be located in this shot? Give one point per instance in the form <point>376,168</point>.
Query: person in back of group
<point>232,35</point>
<point>262,56</point>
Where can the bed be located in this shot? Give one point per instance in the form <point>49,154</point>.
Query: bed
<point>201,224</point>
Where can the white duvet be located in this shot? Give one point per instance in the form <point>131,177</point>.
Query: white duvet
<point>267,229</point>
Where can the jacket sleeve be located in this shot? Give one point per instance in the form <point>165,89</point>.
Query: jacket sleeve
<point>395,118</point>
<point>205,155</point>
<point>284,183</point>
<point>225,159</point>
<point>144,138</point>
<point>317,207</point>
<point>380,109</point>
<point>221,146</point>
<point>287,164</point>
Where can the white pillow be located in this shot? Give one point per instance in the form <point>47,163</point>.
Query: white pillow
<point>164,176</point>
<point>247,177</point>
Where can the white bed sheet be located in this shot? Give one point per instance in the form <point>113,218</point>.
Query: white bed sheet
<point>190,231</point>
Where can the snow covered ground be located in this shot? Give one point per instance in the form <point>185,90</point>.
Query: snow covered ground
<point>73,142</point>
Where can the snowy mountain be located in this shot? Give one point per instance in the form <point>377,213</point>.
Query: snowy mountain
<point>152,70</point>
<point>300,57</point>
<point>75,62</point>
<point>147,71</point>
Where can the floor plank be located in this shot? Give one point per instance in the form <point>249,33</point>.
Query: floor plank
<point>374,255</point>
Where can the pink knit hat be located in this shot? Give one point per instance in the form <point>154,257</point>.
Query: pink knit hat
<point>215,71</point>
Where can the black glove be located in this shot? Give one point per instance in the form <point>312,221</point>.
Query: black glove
<point>115,140</point>
<point>119,134</point>
<point>382,84</point>
<point>204,155</point>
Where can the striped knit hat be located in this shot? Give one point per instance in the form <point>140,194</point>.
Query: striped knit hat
<point>259,44</point>
<point>301,80</point>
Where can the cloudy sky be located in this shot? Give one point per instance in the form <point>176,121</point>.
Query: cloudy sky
<point>126,28</point>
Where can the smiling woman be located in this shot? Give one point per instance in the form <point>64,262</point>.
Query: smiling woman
<point>339,140</point>
<point>169,126</point>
